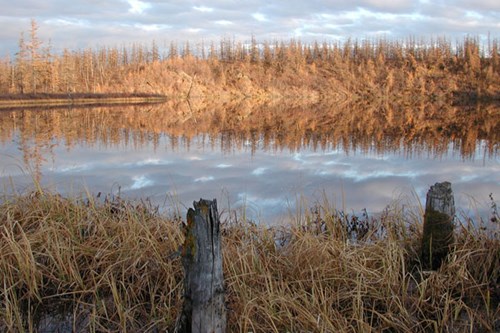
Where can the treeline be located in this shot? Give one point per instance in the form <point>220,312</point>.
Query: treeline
<point>411,68</point>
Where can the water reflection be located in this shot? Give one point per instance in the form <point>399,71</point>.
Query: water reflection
<point>264,158</point>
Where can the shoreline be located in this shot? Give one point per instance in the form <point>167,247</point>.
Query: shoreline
<point>61,100</point>
<point>16,101</point>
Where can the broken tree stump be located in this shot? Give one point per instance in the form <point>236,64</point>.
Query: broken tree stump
<point>203,309</point>
<point>438,225</point>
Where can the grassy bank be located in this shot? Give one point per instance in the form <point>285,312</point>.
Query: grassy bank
<point>63,100</point>
<point>113,267</point>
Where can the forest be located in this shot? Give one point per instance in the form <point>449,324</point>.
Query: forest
<point>410,69</point>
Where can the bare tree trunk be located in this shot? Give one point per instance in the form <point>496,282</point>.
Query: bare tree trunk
<point>203,309</point>
<point>438,225</point>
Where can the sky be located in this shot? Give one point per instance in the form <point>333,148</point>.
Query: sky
<point>79,24</point>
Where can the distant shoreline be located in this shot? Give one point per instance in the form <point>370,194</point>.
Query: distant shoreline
<point>76,99</point>
<point>58,100</point>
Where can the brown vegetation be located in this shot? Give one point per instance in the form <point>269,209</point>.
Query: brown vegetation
<point>114,267</point>
<point>370,69</point>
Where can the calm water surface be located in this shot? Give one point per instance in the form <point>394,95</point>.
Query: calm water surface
<point>267,171</point>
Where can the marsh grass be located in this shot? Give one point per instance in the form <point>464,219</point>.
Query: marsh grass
<point>112,266</point>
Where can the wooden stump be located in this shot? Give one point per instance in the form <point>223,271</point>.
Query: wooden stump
<point>438,225</point>
<point>203,309</point>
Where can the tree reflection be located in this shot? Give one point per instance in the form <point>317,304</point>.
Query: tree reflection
<point>352,127</point>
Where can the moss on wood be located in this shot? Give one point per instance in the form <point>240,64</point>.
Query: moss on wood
<point>437,238</point>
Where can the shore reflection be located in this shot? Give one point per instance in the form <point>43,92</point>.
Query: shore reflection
<point>264,158</point>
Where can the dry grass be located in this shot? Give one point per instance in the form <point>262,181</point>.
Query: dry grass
<point>113,267</point>
<point>107,264</point>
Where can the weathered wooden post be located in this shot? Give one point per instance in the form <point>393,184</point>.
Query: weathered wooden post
<point>438,225</point>
<point>203,309</point>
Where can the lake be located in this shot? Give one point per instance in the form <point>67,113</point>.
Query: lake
<point>265,162</point>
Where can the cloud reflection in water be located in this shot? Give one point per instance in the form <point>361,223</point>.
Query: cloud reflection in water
<point>269,183</point>
<point>140,182</point>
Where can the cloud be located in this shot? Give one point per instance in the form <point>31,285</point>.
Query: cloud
<point>223,22</point>
<point>152,27</point>
<point>259,17</point>
<point>138,7</point>
<point>481,5</point>
<point>394,6</point>
<point>88,23</point>
<point>203,9</point>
